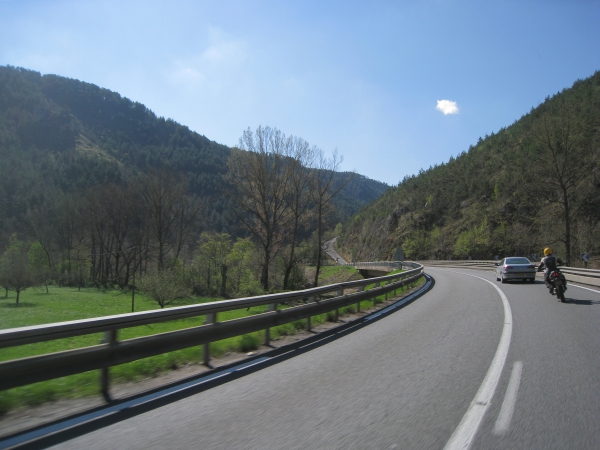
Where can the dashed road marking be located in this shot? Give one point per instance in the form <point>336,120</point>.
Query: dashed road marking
<point>510,399</point>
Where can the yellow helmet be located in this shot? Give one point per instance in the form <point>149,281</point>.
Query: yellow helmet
<point>547,251</point>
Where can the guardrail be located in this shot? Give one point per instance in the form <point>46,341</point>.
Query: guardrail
<point>384,266</point>
<point>113,352</point>
<point>463,263</point>
<point>573,274</point>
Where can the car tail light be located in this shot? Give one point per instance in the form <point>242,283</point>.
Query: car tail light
<point>531,266</point>
<point>507,267</point>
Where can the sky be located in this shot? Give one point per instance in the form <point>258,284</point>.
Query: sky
<point>394,86</point>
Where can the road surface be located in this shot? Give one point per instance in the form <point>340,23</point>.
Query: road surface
<point>473,363</point>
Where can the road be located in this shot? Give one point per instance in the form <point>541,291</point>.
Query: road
<point>329,248</point>
<point>409,381</point>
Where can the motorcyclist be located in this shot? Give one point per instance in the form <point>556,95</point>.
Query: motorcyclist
<point>549,264</point>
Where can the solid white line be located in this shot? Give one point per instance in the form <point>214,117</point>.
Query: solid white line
<point>581,287</point>
<point>467,428</point>
<point>510,399</point>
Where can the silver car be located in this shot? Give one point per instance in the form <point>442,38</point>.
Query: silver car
<point>515,268</point>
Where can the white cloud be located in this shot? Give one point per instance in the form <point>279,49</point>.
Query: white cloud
<point>215,66</point>
<point>186,74</point>
<point>447,107</point>
<point>224,48</point>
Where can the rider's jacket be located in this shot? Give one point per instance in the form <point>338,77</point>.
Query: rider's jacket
<point>549,263</point>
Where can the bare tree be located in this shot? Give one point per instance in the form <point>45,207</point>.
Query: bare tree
<point>298,198</point>
<point>324,186</point>
<point>42,221</point>
<point>115,214</point>
<point>71,227</point>
<point>170,214</point>
<point>258,177</point>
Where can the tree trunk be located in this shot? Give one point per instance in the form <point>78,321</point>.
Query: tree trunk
<point>223,280</point>
<point>319,237</point>
<point>290,263</point>
<point>567,228</point>
<point>264,277</point>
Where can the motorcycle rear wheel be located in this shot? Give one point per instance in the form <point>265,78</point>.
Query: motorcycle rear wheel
<point>560,293</point>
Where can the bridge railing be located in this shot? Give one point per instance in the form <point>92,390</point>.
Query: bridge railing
<point>573,274</point>
<point>111,351</point>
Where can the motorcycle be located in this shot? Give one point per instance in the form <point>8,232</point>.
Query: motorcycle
<point>558,284</point>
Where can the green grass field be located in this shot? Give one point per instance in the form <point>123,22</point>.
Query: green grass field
<point>65,304</point>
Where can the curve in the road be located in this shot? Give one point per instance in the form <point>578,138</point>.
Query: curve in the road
<point>407,382</point>
<point>467,429</point>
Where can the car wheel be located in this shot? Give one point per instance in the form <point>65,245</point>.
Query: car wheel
<point>532,280</point>
<point>502,280</point>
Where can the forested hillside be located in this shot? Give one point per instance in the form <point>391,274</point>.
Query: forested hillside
<point>59,135</point>
<point>534,183</point>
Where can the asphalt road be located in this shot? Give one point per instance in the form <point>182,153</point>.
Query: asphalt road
<point>412,380</point>
<point>329,248</point>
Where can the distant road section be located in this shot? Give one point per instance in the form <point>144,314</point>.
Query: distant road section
<point>328,246</point>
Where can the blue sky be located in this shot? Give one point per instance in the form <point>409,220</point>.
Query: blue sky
<point>362,77</point>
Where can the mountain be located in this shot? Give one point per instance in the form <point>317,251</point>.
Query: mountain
<point>534,183</point>
<point>63,134</point>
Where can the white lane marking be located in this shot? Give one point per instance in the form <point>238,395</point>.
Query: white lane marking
<point>581,287</point>
<point>510,399</point>
<point>467,428</point>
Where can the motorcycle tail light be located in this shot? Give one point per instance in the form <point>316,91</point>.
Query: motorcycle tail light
<point>555,274</point>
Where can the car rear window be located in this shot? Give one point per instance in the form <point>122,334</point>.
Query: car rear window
<point>517,261</point>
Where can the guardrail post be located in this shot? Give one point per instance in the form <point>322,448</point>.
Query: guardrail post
<point>210,318</point>
<point>272,307</point>
<point>308,324</point>
<point>110,338</point>
<point>360,289</point>
<point>375,298</point>
<point>339,293</point>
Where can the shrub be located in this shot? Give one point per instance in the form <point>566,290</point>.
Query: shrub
<point>248,342</point>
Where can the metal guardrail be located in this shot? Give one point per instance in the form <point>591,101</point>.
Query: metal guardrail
<point>478,263</point>
<point>113,352</point>
<point>383,266</point>
<point>573,274</point>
